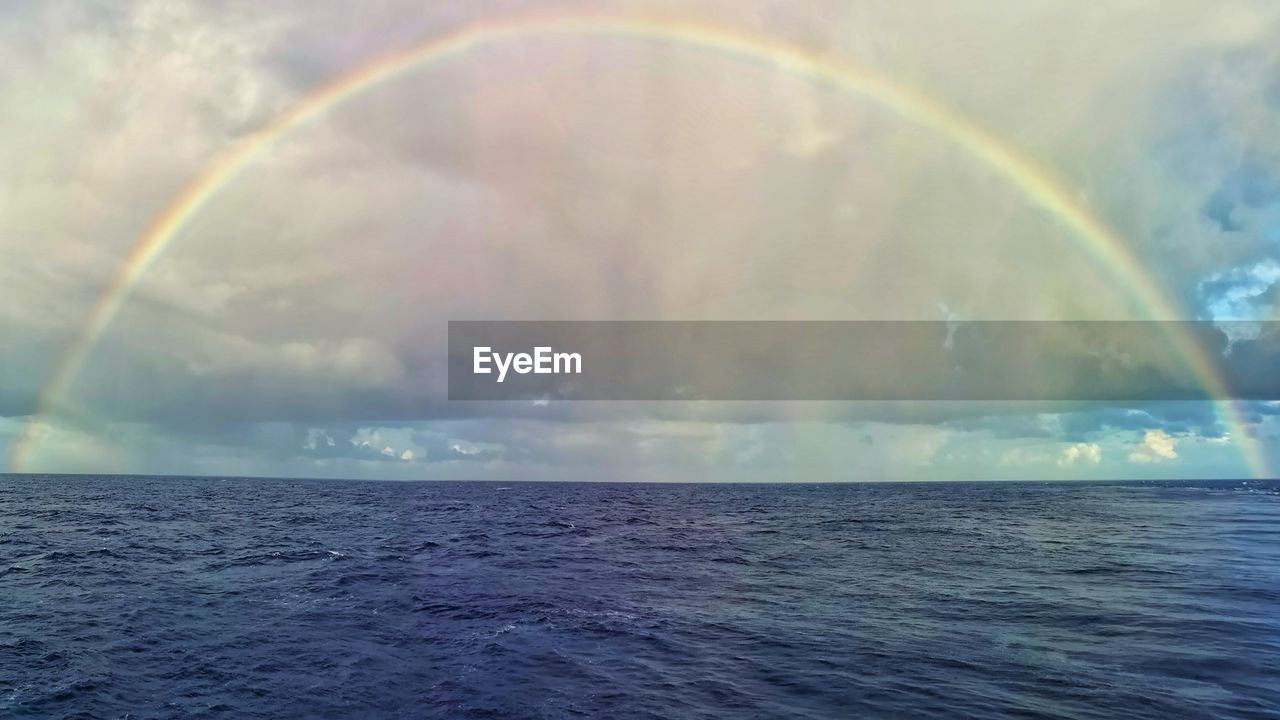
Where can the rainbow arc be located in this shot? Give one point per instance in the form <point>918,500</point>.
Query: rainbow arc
<point>1035,182</point>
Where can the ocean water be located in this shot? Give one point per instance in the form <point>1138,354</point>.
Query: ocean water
<point>189,597</point>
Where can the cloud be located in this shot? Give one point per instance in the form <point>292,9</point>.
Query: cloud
<point>368,443</point>
<point>1157,446</point>
<point>1018,456</point>
<point>579,179</point>
<point>1086,453</point>
<point>354,361</point>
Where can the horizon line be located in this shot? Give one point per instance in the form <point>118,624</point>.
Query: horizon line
<point>178,476</point>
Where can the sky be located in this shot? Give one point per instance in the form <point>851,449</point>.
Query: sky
<point>295,323</point>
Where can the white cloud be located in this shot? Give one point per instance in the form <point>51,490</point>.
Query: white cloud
<point>371,440</point>
<point>1157,446</point>
<point>1088,453</point>
<point>316,437</point>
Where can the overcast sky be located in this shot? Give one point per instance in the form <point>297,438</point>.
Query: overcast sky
<point>295,327</point>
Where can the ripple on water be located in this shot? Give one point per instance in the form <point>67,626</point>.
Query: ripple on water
<point>161,597</point>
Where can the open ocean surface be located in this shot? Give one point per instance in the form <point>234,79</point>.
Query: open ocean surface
<point>196,597</point>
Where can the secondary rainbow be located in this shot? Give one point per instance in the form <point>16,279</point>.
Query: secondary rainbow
<point>1035,182</point>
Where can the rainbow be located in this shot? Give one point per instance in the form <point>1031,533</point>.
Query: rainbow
<point>1035,182</point>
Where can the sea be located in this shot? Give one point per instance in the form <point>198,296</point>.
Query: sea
<point>175,597</point>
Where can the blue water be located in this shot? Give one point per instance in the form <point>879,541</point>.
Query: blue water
<point>183,597</point>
